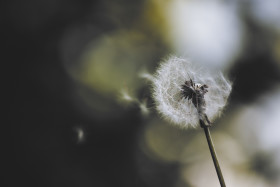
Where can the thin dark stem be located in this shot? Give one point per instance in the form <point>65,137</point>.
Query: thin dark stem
<point>213,153</point>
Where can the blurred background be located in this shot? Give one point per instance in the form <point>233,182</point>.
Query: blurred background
<point>80,111</point>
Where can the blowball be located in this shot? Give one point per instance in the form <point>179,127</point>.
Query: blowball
<point>167,91</point>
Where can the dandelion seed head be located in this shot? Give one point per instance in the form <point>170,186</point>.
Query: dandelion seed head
<point>171,74</point>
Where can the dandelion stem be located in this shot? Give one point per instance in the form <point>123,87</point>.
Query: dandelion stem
<point>213,153</point>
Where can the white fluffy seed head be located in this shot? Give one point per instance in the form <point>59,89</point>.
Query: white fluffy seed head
<point>168,79</point>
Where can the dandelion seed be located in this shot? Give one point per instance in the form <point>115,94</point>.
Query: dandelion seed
<point>167,91</point>
<point>80,134</point>
<point>143,107</point>
<point>145,75</point>
<point>125,96</point>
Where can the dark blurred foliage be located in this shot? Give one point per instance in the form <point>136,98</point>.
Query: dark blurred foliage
<point>42,112</point>
<point>256,71</point>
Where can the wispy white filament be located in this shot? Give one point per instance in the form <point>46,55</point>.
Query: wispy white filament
<point>126,97</point>
<point>167,82</point>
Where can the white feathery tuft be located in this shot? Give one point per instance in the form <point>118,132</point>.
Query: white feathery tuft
<point>144,108</point>
<point>145,75</point>
<point>126,97</point>
<point>167,81</point>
